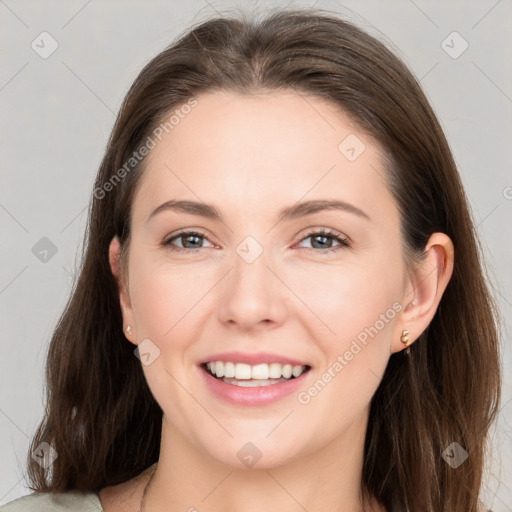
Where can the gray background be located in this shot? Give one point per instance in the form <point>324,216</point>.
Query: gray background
<point>58,112</point>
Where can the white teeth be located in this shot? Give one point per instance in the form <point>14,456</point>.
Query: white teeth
<point>297,370</point>
<point>287,371</point>
<point>219,369</point>
<point>229,370</point>
<point>242,371</point>
<point>274,370</point>
<point>261,372</point>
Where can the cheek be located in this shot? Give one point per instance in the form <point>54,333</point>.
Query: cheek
<point>356,299</point>
<point>164,296</point>
<point>358,302</point>
<point>358,309</point>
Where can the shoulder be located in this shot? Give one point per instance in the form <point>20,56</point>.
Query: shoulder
<point>71,501</point>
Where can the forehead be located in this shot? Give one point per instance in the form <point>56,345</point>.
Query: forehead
<point>247,150</point>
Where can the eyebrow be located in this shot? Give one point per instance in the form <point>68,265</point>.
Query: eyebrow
<point>295,211</point>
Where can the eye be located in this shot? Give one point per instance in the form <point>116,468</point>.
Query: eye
<point>189,240</point>
<point>322,240</point>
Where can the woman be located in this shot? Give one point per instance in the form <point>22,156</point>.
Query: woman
<point>281,304</point>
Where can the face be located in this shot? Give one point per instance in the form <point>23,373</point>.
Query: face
<point>250,273</point>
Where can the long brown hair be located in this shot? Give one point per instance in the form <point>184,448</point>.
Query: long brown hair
<point>101,417</point>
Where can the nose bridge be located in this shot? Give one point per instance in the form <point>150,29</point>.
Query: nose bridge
<point>252,295</point>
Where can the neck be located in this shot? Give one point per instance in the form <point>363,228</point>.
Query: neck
<point>328,479</point>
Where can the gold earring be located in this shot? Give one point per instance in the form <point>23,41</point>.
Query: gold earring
<point>405,340</point>
<point>128,330</point>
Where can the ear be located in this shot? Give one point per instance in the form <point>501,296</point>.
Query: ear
<point>114,254</point>
<point>425,287</point>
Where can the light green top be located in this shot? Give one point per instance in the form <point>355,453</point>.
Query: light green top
<point>70,501</point>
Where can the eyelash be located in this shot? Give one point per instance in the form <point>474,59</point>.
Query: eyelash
<point>343,242</point>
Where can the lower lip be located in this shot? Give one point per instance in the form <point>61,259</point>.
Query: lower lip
<point>262,395</point>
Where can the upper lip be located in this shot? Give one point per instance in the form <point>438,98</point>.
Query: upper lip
<point>253,359</point>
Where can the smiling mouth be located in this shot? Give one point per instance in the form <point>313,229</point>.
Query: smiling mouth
<point>249,376</point>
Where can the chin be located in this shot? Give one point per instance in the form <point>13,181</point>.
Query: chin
<point>242,453</point>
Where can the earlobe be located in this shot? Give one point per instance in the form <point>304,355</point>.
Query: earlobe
<point>425,289</point>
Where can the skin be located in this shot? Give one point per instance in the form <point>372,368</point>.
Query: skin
<point>252,156</point>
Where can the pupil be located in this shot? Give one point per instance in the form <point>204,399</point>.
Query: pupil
<point>188,237</point>
<point>324,238</point>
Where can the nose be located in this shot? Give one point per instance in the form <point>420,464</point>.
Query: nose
<point>253,298</point>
